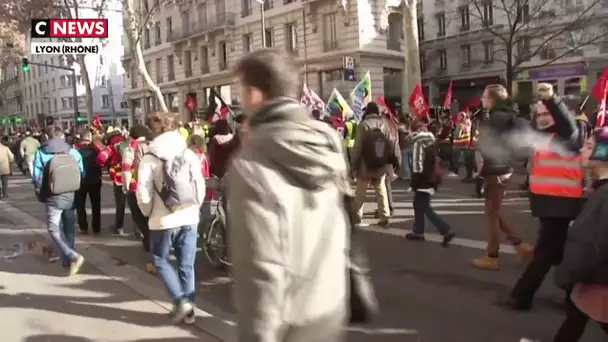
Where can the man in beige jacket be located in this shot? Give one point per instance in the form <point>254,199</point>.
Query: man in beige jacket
<point>288,227</point>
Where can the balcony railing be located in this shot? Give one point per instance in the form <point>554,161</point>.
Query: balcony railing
<point>213,23</point>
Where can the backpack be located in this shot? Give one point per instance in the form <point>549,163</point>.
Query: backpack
<point>121,147</point>
<point>89,160</point>
<point>63,174</point>
<point>377,149</point>
<point>179,187</point>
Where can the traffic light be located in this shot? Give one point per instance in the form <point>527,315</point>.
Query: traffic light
<point>25,64</point>
<point>80,118</point>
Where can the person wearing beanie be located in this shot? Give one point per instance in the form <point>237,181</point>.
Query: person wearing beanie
<point>376,149</point>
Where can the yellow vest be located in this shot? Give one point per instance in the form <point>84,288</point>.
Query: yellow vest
<point>349,142</point>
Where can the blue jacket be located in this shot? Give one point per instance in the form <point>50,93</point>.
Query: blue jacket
<point>41,158</point>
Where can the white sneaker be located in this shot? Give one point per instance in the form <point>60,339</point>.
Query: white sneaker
<point>523,339</point>
<point>451,175</point>
<point>180,311</point>
<point>409,189</point>
<point>190,318</point>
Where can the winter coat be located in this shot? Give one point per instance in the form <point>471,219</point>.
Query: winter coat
<point>6,158</point>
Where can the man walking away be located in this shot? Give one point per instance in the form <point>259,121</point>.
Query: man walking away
<point>6,159</point>
<point>375,148</point>
<point>170,191</point>
<point>57,172</point>
<point>28,148</point>
<point>556,187</point>
<point>133,154</point>
<point>288,225</point>
<point>90,186</point>
<point>425,181</point>
<point>496,171</point>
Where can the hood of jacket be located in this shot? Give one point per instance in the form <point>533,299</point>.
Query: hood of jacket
<point>307,151</point>
<point>56,145</point>
<point>223,138</point>
<point>168,145</point>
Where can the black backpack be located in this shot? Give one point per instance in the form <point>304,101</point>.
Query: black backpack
<point>89,160</point>
<point>377,149</point>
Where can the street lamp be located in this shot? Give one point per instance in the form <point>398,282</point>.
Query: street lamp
<point>263,21</point>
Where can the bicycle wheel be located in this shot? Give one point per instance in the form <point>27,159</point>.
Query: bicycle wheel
<point>214,244</point>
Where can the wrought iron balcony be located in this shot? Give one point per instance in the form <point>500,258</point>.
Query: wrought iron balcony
<point>213,23</point>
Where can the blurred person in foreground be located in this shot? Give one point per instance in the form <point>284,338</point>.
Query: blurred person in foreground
<point>288,227</point>
<point>496,170</point>
<point>584,269</point>
<point>556,186</point>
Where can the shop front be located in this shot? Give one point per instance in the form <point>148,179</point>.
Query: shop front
<point>567,80</point>
<point>465,90</point>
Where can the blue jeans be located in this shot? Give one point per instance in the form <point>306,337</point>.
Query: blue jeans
<point>61,224</point>
<point>406,165</point>
<point>180,284</point>
<point>422,208</point>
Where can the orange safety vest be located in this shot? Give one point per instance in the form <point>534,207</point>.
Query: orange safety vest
<point>556,175</point>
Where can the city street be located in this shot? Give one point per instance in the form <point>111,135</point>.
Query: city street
<point>426,292</point>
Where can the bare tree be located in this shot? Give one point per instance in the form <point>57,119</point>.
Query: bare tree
<point>546,30</point>
<point>139,19</point>
<point>13,46</point>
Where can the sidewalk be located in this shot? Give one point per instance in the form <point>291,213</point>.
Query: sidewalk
<point>38,303</point>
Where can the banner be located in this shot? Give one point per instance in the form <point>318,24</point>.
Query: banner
<point>384,106</point>
<point>361,96</point>
<point>597,92</point>
<point>417,101</point>
<point>337,106</point>
<point>447,104</point>
<point>601,110</point>
<point>311,100</point>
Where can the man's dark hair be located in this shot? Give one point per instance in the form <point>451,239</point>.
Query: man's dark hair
<point>57,132</point>
<point>271,71</point>
<point>139,131</point>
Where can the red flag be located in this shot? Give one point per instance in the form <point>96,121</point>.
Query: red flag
<point>97,122</point>
<point>417,101</point>
<point>224,112</point>
<point>474,103</point>
<point>597,92</point>
<point>380,101</point>
<point>601,110</point>
<point>448,96</point>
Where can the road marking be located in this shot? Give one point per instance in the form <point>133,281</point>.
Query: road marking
<point>461,242</point>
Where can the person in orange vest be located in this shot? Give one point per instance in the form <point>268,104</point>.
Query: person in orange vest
<point>111,156</point>
<point>557,193</point>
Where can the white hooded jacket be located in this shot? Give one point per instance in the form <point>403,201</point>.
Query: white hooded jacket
<point>150,178</point>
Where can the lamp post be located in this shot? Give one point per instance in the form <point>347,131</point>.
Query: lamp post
<point>262,21</point>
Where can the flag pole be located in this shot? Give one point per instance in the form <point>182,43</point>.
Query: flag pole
<point>584,102</point>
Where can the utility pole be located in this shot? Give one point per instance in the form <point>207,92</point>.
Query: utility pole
<point>111,96</point>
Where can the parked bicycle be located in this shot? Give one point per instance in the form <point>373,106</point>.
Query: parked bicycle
<point>213,230</point>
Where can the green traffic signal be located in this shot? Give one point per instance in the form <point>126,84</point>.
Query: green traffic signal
<point>25,64</point>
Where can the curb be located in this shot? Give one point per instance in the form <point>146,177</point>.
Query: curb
<point>211,320</point>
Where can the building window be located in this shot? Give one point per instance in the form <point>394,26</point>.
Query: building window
<point>523,48</point>
<point>105,101</point>
<point>204,60</point>
<point>488,52</point>
<point>291,38</point>
<point>466,55</point>
<point>202,15</point>
<point>159,70</point>
<point>547,52</point>
<point>169,28</point>
<point>157,36</point>
<point>147,38</point>
<point>443,59</point>
<point>465,18</point>
<point>488,13</point>
<point>332,75</point>
<point>268,37</point>
<point>268,5</point>
<point>66,103</point>
<point>440,24</point>
<point>170,68</point>
<point>422,59</point>
<point>223,55</point>
<point>134,75</point>
<point>247,42</point>
<point>187,63</point>
<point>330,32</point>
<point>524,13</point>
<point>421,28</point>
<point>246,8</point>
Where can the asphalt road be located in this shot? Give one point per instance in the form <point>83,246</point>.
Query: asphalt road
<point>426,293</point>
